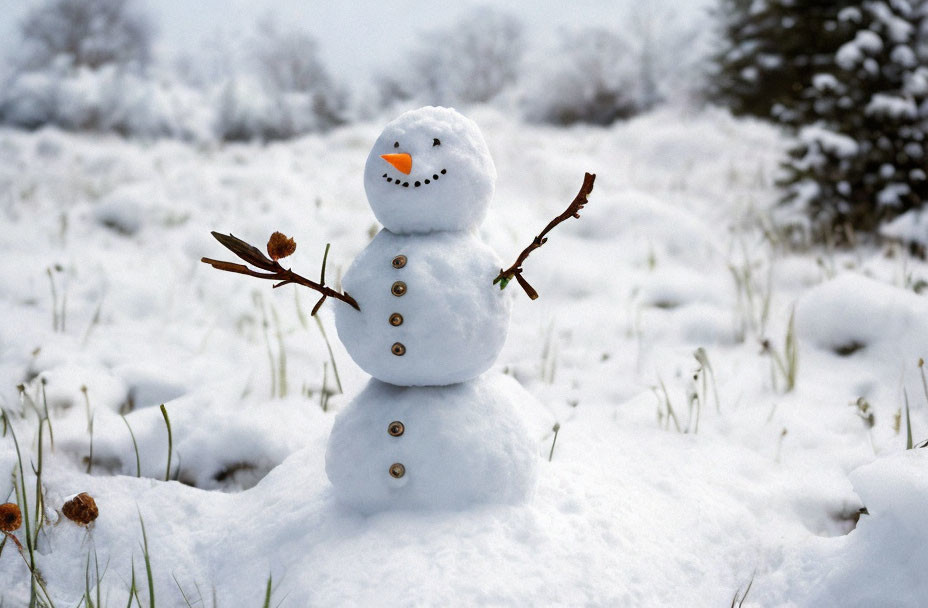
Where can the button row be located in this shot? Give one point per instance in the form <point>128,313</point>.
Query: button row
<point>396,429</point>
<point>396,319</point>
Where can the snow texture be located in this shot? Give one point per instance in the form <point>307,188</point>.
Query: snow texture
<point>816,136</point>
<point>451,180</point>
<point>854,52</point>
<point>628,512</point>
<point>910,227</point>
<point>454,320</point>
<point>462,445</point>
<point>892,106</point>
<point>882,562</point>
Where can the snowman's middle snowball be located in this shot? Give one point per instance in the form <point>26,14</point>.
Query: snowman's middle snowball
<point>430,314</point>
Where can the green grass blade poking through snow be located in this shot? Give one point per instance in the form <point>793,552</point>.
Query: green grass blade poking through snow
<point>167,423</point>
<point>556,428</point>
<point>22,500</point>
<point>328,345</point>
<point>267,593</point>
<point>51,434</point>
<point>135,446</point>
<point>181,589</point>
<point>148,571</point>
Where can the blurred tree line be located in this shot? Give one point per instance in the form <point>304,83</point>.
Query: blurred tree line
<point>88,65</point>
<point>846,78</point>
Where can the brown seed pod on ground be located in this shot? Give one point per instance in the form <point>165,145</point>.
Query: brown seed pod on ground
<point>280,246</point>
<point>81,509</point>
<point>11,518</point>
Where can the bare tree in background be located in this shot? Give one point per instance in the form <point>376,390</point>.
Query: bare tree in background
<point>472,61</point>
<point>90,33</point>
<point>594,77</point>
<point>668,52</point>
<point>288,60</point>
<point>284,90</point>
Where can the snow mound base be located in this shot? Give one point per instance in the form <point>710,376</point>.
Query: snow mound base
<point>458,445</point>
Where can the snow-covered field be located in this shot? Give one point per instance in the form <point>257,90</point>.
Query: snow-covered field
<point>668,485</point>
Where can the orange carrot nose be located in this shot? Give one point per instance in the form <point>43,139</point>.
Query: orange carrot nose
<point>402,162</point>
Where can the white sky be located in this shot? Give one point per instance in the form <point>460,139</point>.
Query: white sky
<point>362,36</point>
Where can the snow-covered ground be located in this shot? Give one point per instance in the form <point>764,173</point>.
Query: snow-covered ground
<point>662,489</point>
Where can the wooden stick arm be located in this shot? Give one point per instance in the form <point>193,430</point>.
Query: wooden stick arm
<point>573,210</point>
<point>274,271</point>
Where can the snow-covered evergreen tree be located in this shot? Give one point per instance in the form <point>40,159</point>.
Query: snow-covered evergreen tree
<point>769,50</point>
<point>864,160</point>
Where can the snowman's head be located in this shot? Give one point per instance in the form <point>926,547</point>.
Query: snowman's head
<point>429,170</point>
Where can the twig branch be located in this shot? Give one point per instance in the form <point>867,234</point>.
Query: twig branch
<point>274,271</point>
<point>573,210</point>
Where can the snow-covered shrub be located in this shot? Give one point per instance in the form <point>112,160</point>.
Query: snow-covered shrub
<point>274,88</point>
<point>472,61</point>
<point>864,160</point>
<point>91,33</point>
<point>81,65</point>
<point>593,77</point>
<point>108,99</point>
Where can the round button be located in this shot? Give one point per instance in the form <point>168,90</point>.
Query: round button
<point>398,289</point>
<point>396,319</point>
<point>398,349</point>
<point>396,428</point>
<point>397,470</point>
<point>399,261</point>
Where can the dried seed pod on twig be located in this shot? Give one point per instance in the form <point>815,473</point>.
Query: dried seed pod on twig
<point>274,271</point>
<point>11,518</point>
<point>280,246</point>
<point>82,509</point>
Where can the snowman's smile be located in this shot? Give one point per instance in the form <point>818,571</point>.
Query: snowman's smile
<point>415,183</point>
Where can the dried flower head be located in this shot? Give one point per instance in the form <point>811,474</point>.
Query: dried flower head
<point>280,246</point>
<point>11,518</point>
<point>81,509</point>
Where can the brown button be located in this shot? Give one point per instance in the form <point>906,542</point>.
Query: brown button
<point>397,470</point>
<point>399,261</point>
<point>396,319</point>
<point>398,349</point>
<point>396,428</point>
<point>398,289</point>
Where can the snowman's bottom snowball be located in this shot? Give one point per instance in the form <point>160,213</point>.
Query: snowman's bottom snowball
<point>461,444</point>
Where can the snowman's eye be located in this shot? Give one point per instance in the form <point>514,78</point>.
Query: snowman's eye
<point>396,144</point>
<point>435,142</point>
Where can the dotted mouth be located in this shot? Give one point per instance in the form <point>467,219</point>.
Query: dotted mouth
<point>435,177</point>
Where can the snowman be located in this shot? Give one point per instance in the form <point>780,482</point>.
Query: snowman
<point>426,317</point>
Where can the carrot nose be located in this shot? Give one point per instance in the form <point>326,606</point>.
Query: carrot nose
<point>402,162</point>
